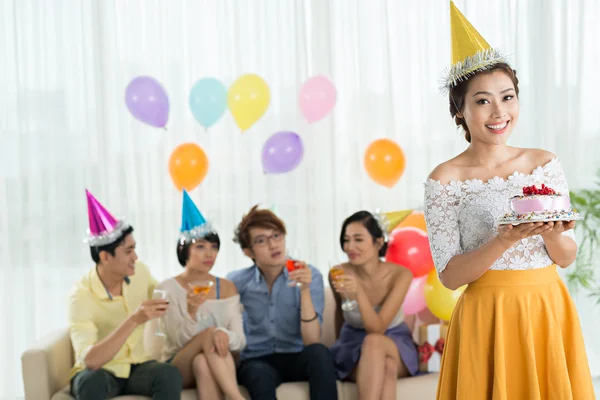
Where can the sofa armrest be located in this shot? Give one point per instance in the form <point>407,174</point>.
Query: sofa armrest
<point>46,365</point>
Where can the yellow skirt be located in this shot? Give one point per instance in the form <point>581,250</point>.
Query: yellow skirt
<point>515,335</point>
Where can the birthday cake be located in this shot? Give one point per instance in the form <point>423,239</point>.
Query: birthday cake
<point>540,204</point>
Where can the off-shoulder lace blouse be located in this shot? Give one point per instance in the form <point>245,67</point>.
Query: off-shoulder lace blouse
<point>463,216</point>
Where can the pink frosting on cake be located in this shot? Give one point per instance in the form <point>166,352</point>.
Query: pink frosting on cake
<point>540,203</point>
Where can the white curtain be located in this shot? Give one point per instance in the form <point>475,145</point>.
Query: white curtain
<point>64,126</point>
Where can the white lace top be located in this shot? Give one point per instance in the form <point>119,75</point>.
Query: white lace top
<point>463,216</point>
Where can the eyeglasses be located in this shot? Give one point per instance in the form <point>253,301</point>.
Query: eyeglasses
<point>263,240</point>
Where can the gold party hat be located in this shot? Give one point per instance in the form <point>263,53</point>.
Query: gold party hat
<point>470,51</point>
<point>394,218</point>
<point>389,220</point>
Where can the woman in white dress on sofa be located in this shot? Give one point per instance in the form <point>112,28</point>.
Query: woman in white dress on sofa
<point>202,329</point>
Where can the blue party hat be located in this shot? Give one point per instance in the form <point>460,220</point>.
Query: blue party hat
<point>193,223</point>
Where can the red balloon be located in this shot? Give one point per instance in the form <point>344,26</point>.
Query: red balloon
<point>409,247</point>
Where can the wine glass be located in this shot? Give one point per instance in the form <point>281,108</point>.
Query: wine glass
<point>202,287</point>
<point>291,265</point>
<point>159,294</point>
<point>337,272</point>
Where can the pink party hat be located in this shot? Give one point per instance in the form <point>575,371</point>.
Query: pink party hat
<point>104,228</point>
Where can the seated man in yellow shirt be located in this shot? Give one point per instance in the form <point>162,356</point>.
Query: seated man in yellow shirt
<point>107,312</point>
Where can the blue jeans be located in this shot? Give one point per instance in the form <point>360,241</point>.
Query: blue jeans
<point>314,364</point>
<point>158,380</point>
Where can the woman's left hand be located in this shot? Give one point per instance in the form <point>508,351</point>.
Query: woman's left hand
<point>220,343</point>
<point>557,228</point>
<point>346,284</point>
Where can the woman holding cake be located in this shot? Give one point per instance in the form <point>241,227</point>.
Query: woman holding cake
<point>515,332</point>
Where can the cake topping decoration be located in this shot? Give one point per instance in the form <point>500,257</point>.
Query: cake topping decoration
<point>533,190</point>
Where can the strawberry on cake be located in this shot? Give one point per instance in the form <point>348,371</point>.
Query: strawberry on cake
<point>539,201</point>
<point>540,204</point>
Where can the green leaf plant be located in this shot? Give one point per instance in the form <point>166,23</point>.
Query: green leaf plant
<point>582,275</point>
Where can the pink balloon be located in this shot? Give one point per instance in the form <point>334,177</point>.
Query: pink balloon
<point>414,302</point>
<point>317,98</point>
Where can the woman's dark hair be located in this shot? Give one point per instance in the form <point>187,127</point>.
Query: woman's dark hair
<point>183,249</point>
<point>459,92</point>
<point>370,223</point>
<point>109,248</point>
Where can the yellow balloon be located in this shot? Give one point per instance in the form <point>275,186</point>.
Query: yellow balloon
<point>248,99</point>
<point>439,299</point>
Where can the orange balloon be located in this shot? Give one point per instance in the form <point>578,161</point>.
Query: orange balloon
<point>384,162</point>
<point>416,220</point>
<point>188,166</point>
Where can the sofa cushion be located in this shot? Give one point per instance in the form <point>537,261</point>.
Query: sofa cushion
<point>328,328</point>
<point>65,396</point>
<point>291,390</point>
<point>421,387</point>
<point>188,394</point>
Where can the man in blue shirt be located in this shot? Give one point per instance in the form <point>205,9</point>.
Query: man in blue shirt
<point>282,323</point>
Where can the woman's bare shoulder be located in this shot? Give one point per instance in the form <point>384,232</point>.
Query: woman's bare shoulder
<point>539,157</point>
<point>228,288</point>
<point>398,272</point>
<point>451,170</point>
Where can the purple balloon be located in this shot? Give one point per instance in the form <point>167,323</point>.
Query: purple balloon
<point>147,100</point>
<point>282,152</point>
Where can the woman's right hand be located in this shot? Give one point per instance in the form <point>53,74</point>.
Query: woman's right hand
<point>346,284</point>
<point>194,300</point>
<point>511,234</point>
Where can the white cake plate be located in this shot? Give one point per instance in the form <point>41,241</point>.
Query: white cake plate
<point>515,219</point>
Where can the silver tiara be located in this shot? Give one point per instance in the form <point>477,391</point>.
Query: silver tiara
<point>197,232</point>
<point>382,221</point>
<point>462,70</point>
<point>106,238</point>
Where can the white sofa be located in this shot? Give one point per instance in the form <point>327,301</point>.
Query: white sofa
<point>46,366</point>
